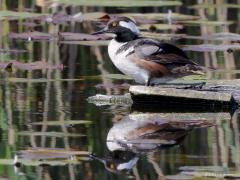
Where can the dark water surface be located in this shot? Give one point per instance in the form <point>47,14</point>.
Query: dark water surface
<point>48,109</point>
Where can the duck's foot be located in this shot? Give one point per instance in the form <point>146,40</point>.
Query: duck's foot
<point>196,86</point>
<point>149,84</point>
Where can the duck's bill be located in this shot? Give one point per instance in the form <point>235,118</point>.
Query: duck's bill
<point>94,157</point>
<point>100,32</point>
<point>105,30</point>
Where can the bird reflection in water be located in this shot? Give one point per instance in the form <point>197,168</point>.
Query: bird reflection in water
<point>139,134</point>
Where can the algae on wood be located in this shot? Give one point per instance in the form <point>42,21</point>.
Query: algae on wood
<point>101,100</point>
<point>222,92</point>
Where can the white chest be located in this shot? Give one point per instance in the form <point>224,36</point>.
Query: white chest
<point>113,47</point>
<point>125,65</point>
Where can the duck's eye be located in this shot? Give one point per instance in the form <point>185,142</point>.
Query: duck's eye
<point>114,24</point>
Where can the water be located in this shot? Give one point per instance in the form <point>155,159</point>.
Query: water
<point>48,110</point>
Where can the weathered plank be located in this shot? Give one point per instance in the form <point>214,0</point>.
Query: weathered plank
<point>220,92</point>
<point>100,99</point>
<point>153,104</point>
<point>214,95</point>
<point>183,93</point>
<point>169,117</point>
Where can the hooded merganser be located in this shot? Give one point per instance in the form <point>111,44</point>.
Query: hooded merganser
<point>147,61</point>
<point>118,160</point>
<point>145,133</point>
<point>139,134</point>
<point>136,135</point>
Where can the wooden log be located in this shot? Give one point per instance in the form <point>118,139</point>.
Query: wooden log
<point>216,92</point>
<point>158,97</point>
<point>175,117</point>
<point>184,93</point>
<point>156,106</point>
<point>214,95</point>
<point>101,100</point>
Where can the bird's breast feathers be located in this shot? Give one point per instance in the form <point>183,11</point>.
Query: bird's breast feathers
<point>121,60</point>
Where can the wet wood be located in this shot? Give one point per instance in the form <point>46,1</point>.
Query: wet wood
<point>183,93</point>
<point>176,117</point>
<point>101,99</point>
<point>225,92</point>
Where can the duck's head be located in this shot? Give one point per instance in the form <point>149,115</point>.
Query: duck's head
<point>124,28</point>
<point>118,161</point>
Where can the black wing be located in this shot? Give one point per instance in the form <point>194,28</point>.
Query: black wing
<point>162,53</point>
<point>173,59</point>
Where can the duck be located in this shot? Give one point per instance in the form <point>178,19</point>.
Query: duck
<point>147,61</point>
<point>117,161</point>
<point>146,132</point>
<point>138,134</point>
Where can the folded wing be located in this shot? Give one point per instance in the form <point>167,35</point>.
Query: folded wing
<point>167,55</point>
